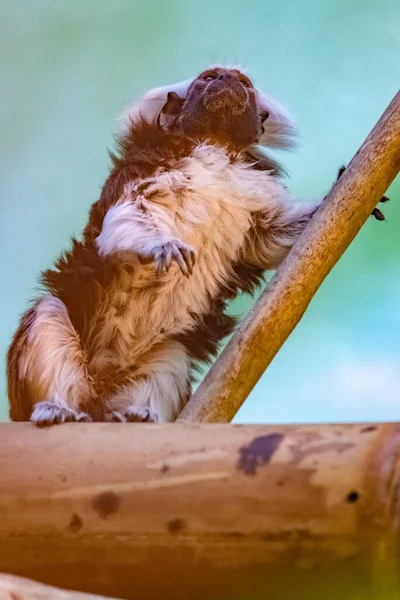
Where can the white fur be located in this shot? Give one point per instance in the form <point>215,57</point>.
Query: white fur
<point>279,130</point>
<point>119,223</point>
<point>161,385</point>
<point>53,357</point>
<point>209,202</point>
<point>212,210</point>
<point>150,104</point>
<point>268,245</point>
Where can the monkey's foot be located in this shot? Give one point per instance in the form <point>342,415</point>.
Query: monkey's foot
<point>378,214</point>
<point>48,413</point>
<point>134,414</point>
<point>177,251</point>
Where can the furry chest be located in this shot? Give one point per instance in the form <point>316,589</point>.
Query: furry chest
<point>206,202</point>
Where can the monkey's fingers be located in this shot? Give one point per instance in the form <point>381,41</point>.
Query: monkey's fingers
<point>185,256</point>
<point>48,413</point>
<point>379,216</point>
<point>182,264</point>
<point>163,257</point>
<point>189,256</point>
<point>340,172</point>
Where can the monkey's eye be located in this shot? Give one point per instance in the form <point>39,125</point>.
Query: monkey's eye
<point>209,77</point>
<point>246,82</point>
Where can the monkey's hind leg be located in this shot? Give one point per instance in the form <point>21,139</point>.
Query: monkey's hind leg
<point>46,375</point>
<point>157,390</point>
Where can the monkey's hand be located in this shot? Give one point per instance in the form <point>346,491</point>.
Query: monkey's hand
<point>378,214</point>
<point>165,253</point>
<point>129,230</point>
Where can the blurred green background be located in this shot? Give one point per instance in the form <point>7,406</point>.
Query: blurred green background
<point>67,69</point>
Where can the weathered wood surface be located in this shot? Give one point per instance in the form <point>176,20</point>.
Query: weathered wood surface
<point>283,303</point>
<point>20,588</point>
<point>222,512</point>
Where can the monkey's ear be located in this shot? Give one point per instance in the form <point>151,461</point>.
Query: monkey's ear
<point>173,105</point>
<point>149,106</point>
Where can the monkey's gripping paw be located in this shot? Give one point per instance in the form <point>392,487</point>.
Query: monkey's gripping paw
<point>378,214</point>
<point>134,414</point>
<point>174,251</point>
<point>47,413</point>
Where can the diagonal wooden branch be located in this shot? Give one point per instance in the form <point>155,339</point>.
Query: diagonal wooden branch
<point>283,303</point>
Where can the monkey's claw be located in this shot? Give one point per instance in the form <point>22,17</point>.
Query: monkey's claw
<point>48,413</point>
<point>378,214</point>
<point>175,250</point>
<point>134,414</point>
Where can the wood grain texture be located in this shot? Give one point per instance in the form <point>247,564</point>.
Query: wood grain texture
<point>222,512</point>
<point>281,306</point>
<point>20,588</point>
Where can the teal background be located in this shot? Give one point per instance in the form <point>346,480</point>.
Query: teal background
<point>67,68</point>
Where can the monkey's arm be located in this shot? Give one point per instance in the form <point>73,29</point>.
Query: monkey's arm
<point>134,228</point>
<point>275,231</point>
<point>276,227</point>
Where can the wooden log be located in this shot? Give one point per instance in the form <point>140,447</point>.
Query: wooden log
<point>283,303</point>
<point>223,512</point>
<point>20,588</point>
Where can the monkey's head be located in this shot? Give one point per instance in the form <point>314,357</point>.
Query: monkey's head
<point>221,104</point>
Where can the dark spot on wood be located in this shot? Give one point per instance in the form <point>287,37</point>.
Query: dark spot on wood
<point>303,534</point>
<point>352,496</point>
<point>281,483</point>
<point>75,523</point>
<point>233,534</point>
<point>106,504</point>
<point>176,525</point>
<point>258,453</point>
<point>162,330</point>
<point>63,478</point>
<point>164,469</point>
<point>368,429</point>
<point>279,536</point>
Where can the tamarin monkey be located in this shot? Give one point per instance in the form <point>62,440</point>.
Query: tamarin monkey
<point>192,213</point>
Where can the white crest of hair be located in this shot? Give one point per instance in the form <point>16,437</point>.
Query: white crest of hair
<point>149,105</point>
<point>280,129</point>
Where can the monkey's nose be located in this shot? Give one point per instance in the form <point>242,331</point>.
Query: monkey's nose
<point>226,77</point>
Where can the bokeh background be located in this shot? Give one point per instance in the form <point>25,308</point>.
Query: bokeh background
<point>67,68</point>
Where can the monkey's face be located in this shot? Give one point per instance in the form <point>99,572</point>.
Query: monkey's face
<point>220,105</point>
